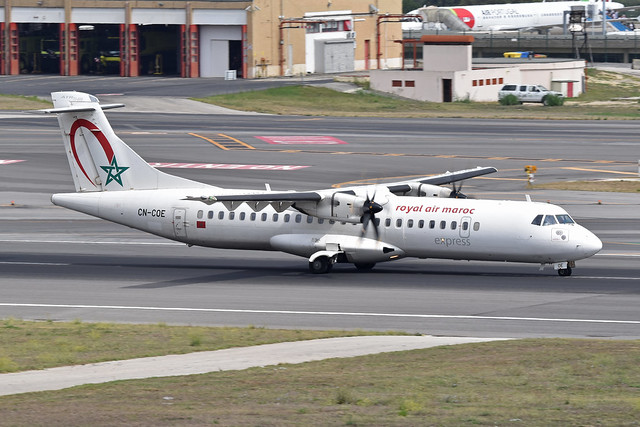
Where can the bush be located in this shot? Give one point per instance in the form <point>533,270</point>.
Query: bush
<point>553,100</point>
<point>509,100</point>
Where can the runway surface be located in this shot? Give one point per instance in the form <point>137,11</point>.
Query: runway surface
<point>60,265</point>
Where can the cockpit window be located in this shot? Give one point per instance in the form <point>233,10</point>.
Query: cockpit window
<point>549,220</point>
<point>537,220</point>
<point>564,219</point>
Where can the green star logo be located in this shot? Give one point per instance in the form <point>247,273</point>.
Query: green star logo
<point>114,172</point>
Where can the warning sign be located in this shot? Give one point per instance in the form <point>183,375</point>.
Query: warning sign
<point>302,140</point>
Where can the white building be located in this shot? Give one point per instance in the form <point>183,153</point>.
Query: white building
<point>448,73</point>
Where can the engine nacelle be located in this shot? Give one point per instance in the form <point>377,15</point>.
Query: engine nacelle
<point>427,190</point>
<point>345,207</point>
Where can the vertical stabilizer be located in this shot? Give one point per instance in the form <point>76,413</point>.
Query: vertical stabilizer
<point>99,160</point>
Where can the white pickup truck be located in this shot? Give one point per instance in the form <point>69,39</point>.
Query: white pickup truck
<point>527,93</point>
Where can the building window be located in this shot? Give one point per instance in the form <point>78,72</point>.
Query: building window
<point>475,83</point>
<point>500,80</point>
<point>410,83</point>
<point>396,83</point>
<point>495,81</point>
<point>480,82</point>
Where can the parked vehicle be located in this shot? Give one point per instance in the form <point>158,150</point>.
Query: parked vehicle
<point>528,93</point>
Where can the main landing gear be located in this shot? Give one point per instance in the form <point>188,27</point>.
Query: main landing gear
<point>324,264</point>
<point>321,264</point>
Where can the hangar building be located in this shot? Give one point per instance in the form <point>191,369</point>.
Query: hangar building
<point>220,38</point>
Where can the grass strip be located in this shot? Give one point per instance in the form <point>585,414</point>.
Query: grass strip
<point>605,186</point>
<point>596,104</point>
<point>28,345</point>
<point>16,102</point>
<point>532,382</point>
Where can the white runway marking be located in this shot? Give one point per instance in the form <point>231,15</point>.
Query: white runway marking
<point>318,313</point>
<point>32,263</point>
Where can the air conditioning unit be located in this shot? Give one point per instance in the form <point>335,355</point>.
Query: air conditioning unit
<point>351,35</point>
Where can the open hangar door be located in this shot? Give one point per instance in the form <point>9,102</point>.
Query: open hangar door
<point>159,49</point>
<point>39,48</point>
<point>99,48</point>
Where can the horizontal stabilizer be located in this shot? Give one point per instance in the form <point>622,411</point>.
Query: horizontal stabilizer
<point>78,109</point>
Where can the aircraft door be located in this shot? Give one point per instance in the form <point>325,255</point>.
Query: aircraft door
<point>465,226</point>
<point>180,223</point>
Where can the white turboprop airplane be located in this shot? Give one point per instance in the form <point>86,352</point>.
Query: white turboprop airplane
<point>362,225</point>
<point>503,17</point>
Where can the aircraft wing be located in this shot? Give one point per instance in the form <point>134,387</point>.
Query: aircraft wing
<point>445,178</point>
<point>309,196</point>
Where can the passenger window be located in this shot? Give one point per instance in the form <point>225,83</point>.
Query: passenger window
<point>253,216</point>
<point>200,213</point>
<point>564,219</point>
<point>309,219</point>
<point>476,226</point>
<point>399,222</point>
<point>454,225</point>
<point>242,216</point>
<point>410,223</point>
<point>387,222</point>
<point>549,220</point>
<point>377,222</point>
<point>275,217</point>
<point>210,214</point>
<point>232,215</point>
<point>432,224</point>
<point>287,217</point>
<point>221,215</point>
<point>263,217</point>
<point>421,223</point>
<point>465,226</point>
<point>298,218</point>
<point>537,220</point>
<point>443,225</point>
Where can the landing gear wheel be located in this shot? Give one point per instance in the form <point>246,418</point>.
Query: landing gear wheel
<point>565,271</point>
<point>320,265</point>
<point>364,266</point>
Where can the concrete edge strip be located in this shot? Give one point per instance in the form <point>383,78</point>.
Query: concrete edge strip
<point>221,360</point>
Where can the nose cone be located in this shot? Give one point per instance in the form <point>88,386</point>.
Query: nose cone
<point>590,244</point>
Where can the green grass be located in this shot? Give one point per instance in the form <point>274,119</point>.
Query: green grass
<point>15,102</point>
<point>318,101</point>
<point>534,382</point>
<point>606,186</point>
<point>37,345</point>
